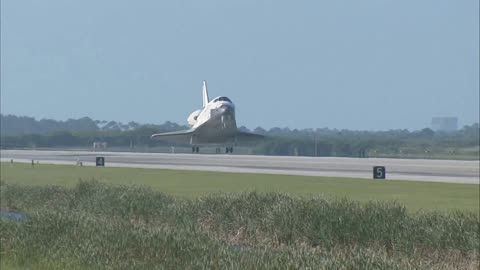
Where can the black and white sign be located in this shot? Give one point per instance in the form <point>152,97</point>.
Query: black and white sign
<point>100,161</point>
<point>379,172</point>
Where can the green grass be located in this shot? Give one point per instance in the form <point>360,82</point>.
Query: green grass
<point>99,226</point>
<point>190,184</point>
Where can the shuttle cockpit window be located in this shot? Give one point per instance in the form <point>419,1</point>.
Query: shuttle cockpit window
<point>222,99</point>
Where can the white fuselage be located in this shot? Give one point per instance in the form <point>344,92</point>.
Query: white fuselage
<point>215,123</point>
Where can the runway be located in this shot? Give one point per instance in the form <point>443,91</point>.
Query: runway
<point>451,171</point>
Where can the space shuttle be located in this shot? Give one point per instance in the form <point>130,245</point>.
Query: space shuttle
<point>214,124</point>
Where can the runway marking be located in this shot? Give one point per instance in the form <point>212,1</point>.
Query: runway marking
<point>401,169</point>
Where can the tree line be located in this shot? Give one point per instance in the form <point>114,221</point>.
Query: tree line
<point>279,141</point>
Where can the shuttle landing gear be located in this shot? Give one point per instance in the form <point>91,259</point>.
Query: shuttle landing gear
<point>229,150</point>
<point>195,149</point>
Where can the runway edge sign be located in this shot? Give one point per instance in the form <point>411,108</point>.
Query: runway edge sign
<point>379,172</point>
<point>100,161</point>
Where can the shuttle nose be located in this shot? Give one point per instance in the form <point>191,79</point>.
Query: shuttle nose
<point>225,108</point>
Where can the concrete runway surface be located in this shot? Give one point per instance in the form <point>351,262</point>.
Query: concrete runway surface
<point>452,171</point>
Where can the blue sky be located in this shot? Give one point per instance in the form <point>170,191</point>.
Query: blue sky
<point>369,65</point>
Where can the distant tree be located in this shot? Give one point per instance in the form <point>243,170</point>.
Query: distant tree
<point>426,132</point>
<point>259,130</point>
<point>244,129</point>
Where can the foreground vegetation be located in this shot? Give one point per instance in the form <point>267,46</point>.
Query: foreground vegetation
<point>99,226</point>
<point>415,196</point>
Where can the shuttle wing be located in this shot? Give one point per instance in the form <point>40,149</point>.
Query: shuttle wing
<point>182,136</point>
<point>248,137</point>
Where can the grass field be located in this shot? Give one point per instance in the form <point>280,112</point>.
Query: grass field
<point>192,184</point>
<point>123,218</point>
<point>99,226</point>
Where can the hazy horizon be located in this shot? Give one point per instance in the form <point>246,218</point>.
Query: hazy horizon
<point>248,127</point>
<point>371,65</point>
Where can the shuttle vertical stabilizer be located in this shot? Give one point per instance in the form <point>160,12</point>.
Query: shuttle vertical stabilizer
<point>205,93</point>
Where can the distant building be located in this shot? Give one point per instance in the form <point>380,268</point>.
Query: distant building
<point>447,124</point>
